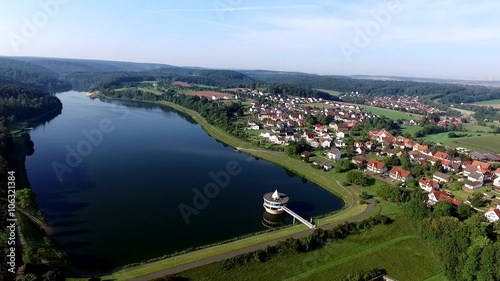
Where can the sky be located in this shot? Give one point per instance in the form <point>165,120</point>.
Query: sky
<point>420,38</point>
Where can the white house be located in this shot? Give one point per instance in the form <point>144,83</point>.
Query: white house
<point>325,142</point>
<point>492,215</point>
<point>254,127</point>
<point>340,135</point>
<point>428,184</point>
<point>473,184</point>
<point>340,143</point>
<point>333,153</point>
<point>496,182</point>
<point>475,177</point>
<point>265,134</point>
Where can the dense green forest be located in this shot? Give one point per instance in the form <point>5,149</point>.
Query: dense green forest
<point>21,103</point>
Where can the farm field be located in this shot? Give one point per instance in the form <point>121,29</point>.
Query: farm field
<point>154,91</point>
<point>483,143</point>
<point>393,114</point>
<point>180,83</point>
<point>492,103</point>
<point>477,128</point>
<point>390,247</point>
<point>209,94</point>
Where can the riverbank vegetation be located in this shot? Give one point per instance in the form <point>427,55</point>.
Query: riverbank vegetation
<point>19,104</point>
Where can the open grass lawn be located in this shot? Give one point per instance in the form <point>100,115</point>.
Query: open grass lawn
<point>410,129</point>
<point>465,113</point>
<point>333,93</point>
<point>389,113</point>
<point>153,91</point>
<point>476,128</point>
<point>484,143</point>
<point>395,248</point>
<point>489,102</point>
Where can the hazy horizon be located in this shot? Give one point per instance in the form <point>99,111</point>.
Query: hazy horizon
<point>415,38</point>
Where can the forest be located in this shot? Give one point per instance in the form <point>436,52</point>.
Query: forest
<point>22,103</point>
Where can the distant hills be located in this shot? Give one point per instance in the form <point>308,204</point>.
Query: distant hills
<point>58,74</point>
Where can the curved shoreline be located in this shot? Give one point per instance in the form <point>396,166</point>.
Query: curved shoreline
<point>351,210</point>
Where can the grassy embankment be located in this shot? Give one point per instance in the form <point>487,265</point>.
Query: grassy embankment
<point>348,194</point>
<point>395,248</point>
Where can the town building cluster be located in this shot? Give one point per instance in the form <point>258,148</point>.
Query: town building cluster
<point>404,103</point>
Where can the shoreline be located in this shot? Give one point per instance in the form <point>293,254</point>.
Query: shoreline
<point>351,208</point>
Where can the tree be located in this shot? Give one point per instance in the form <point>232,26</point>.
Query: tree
<point>296,148</point>
<point>464,211</point>
<point>442,209</point>
<point>405,161</point>
<point>26,198</point>
<point>357,177</point>
<point>364,195</point>
<point>343,166</point>
<point>477,200</point>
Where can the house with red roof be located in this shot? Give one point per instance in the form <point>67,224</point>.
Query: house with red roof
<point>400,174</point>
<point>492,215</point>
<point>436,196</point>
<point>428,184</point>
<point>482,167</point>
<point>376,166</point>
<point>439,155</point>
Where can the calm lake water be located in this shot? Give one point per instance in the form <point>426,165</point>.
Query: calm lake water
<point>110,177</point>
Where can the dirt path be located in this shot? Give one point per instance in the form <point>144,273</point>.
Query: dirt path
<point>217,258</point>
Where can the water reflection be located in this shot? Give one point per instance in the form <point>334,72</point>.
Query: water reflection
<point>273,221</point>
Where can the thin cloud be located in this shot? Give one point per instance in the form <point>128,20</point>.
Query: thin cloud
<point>233,9</point>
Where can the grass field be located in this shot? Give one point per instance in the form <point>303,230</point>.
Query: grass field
<point>465,113</point>
<point>493,103</point>
<point>476,128</point>
<point>333,93</point>
<point>410,129</point>
<point>483,143</point>
<point>389,113</point>
<point>153,91</point>
<point>393,247</point>
<point>208,94</point>
<point>349,195</point>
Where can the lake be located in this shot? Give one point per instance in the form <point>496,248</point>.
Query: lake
<point>120,182</point>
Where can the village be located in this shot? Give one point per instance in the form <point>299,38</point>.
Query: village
<point>459,173</point>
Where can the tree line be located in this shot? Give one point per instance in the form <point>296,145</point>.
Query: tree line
<point>21,103</point>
